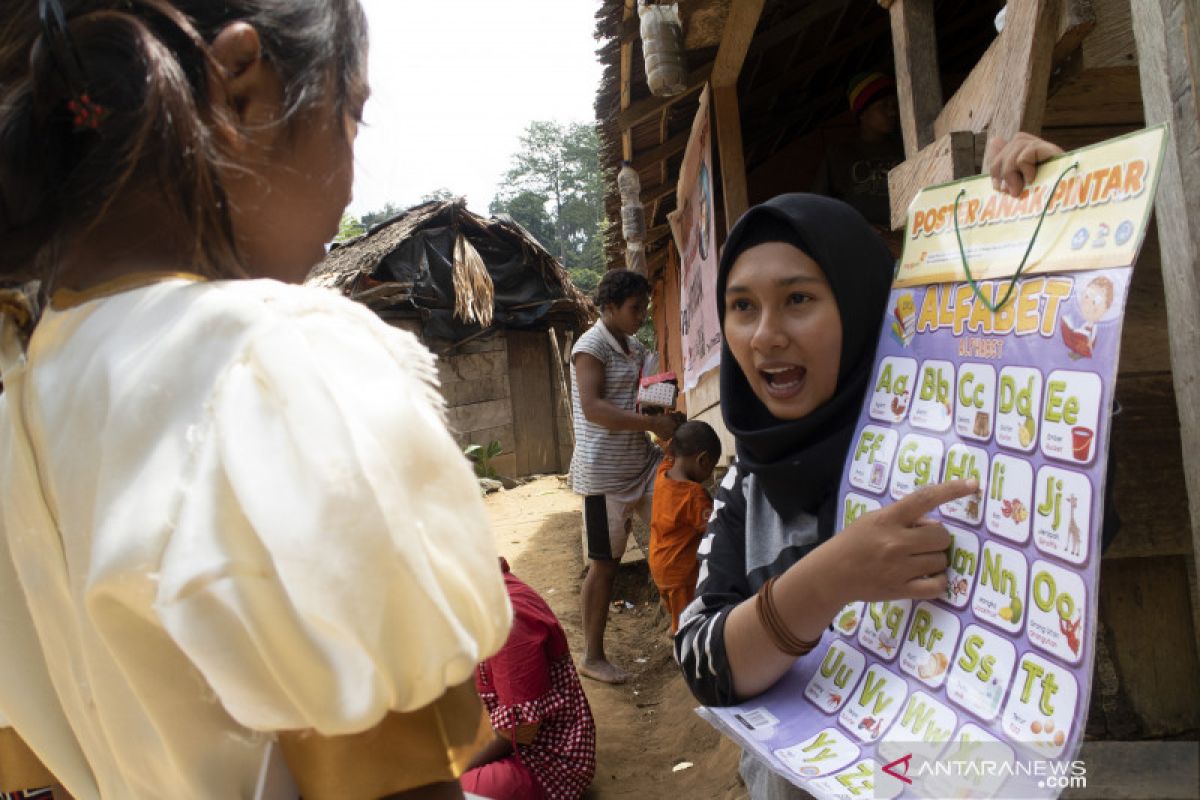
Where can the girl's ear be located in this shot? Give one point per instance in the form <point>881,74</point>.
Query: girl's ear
<point>246,93</point>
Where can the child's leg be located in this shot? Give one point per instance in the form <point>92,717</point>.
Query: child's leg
<point>506,779</point>
<point>676,599</point>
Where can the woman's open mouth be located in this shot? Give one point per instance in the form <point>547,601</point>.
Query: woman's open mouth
<point>783,383</point>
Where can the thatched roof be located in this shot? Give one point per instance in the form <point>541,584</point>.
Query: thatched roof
<point>794,79</point>
<point>370,269</point>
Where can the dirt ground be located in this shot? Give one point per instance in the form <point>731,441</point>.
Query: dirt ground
<point>647,727</point>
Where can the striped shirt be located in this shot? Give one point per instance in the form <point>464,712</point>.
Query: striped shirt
<point>607,461</point>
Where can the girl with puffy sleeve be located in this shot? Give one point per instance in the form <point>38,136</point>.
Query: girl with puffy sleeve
<point>230,511</point>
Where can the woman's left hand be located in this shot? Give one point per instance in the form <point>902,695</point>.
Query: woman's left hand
<point>1013,163</point>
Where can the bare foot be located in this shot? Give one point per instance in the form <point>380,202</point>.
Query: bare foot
<point>603,671</point>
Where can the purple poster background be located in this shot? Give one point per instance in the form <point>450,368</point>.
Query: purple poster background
<point>1000,668</point>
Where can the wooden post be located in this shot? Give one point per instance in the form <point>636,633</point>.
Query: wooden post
<point>1030,32</point>
<point>729,147</point>
<point>626,78</point>
<point>727,66</point>
<point>918,82</point>
<point>560,382</point>
<point>1168,48</point>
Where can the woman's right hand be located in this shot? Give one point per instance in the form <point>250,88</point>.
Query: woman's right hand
<point>897,552</point>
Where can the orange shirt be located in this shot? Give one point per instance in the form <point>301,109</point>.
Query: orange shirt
<point>677,521</point>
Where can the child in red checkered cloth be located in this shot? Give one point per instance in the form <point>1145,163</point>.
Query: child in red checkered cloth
<point>545,746</point>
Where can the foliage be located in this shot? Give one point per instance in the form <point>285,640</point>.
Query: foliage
<point>382,215</point>
<point>528,208</point>
<point>482,457</point>
<point>349,228</point>
<point>646,334</point>
<point>440,194</point>
<point>555,189</point>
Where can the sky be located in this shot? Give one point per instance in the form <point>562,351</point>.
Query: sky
<point>453,84</point>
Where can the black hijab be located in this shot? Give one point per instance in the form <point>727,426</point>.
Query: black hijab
<point>799,462</point>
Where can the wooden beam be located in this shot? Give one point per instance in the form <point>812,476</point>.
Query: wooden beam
<point>654,194</point>
<point>1168,49</point>
<point>733,158</point>
<point>656,260</point>
<point>918,82</point>
<point>647,107</point>
<point>1006,91</point>
<point>656,233</point>
<point>1078,20</point>
<point>626,96</point>
<point>1033,25</point>
<point>950,157</point>
<point>735,41</point>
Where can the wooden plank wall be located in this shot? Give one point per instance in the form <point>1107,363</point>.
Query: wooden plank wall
<point>533,410</point>
<point>558,349</point>
<point>666,313</point>
<point>1146,677</point>
<point>475,383</point>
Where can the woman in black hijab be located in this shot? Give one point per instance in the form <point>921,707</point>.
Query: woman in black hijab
<point>801,291</point>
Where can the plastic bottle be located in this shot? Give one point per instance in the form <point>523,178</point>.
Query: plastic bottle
<point>635,257</point>
<point>662,47</point>
<point>633,223</point>
<point>633,214</point>
<point>629,184</point>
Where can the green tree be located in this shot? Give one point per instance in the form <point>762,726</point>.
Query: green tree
<point>555,189</point>
<point>440,194</point>
<point>349,228</point>
<point>529,210</point>
<point>372,219</point>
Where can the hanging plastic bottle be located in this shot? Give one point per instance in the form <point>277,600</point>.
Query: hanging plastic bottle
<point>633,214</point>
<point>635,257</point>
<point>633,223</point>
<point>662,47</point>
<point>629,184</point>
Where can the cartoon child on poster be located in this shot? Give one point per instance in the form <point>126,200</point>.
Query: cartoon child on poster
<point>1092,305</point>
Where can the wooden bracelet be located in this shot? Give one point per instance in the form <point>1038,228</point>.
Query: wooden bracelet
<point>768,616</point>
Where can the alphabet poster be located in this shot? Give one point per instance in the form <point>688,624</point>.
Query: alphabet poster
<point>982,692</point>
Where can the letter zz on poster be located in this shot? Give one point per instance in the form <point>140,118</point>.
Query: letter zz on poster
<point>1005,375</point>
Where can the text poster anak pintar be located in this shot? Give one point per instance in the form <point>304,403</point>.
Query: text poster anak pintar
<point>982,692</point>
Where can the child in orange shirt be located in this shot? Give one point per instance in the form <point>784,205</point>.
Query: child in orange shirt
<point>680,514</point>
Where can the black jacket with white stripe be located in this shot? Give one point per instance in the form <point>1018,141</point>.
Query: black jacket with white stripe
<point>733,566</point>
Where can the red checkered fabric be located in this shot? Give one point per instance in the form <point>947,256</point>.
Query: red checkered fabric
<point>533,680</point>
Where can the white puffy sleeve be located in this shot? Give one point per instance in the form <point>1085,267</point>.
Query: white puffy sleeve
<point>332,559</point>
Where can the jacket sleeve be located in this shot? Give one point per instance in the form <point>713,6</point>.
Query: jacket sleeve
<point>722,584</point>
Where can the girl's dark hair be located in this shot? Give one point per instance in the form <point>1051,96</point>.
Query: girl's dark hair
<point>618,285</point>
<point>147,64</point>
<point>694,437</point>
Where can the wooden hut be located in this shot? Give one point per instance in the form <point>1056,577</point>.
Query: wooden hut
<point>1076,71</point>
<point>494,306</point>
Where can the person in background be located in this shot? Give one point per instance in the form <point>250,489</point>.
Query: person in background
<point>545,745</point>
<point>681,511</point>
<point>855,170</point>
<point>233,522</point>
<point>614,462</point>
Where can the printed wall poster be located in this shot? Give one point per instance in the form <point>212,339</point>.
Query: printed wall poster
<point>982,692</point>
<point>694,227</point>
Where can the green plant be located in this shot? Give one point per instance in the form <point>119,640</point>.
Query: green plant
<point>482,457</point>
